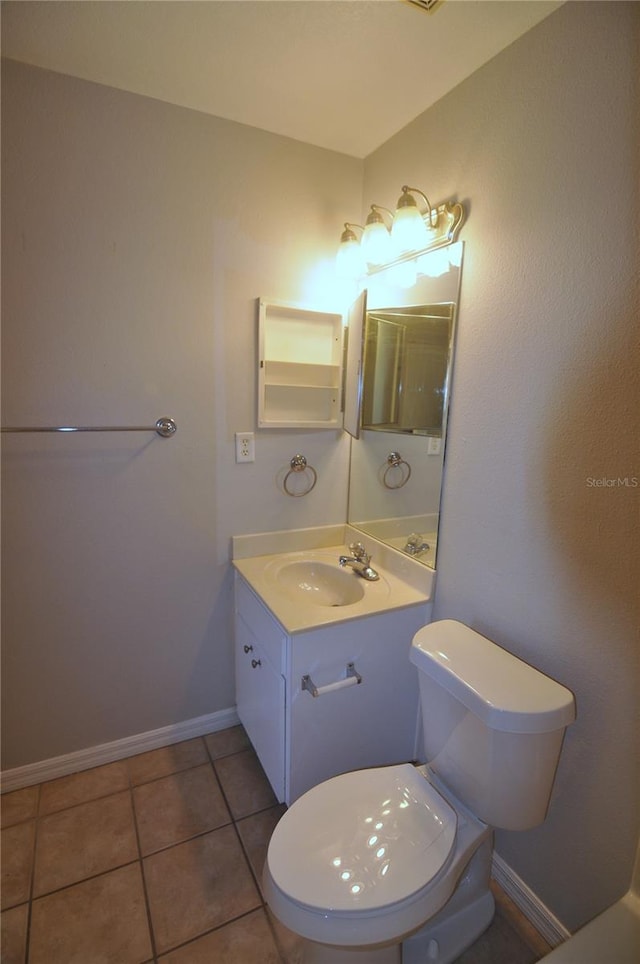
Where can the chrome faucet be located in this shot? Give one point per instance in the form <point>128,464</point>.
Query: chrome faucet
<point>414,546</point>
<point>359,562</point>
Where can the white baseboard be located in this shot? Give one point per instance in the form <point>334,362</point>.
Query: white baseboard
<point>553,931</point>
<point>61,766</point>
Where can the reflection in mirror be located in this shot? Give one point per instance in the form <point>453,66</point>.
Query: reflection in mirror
<point>406,357</point>
<point>407,364</point>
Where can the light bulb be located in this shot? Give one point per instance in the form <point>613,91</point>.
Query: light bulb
<point>349,260</point>
<point>409,232</point>
<point>376,243</point>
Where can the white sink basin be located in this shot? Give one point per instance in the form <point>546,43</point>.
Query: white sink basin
<point>319,583</point>
<point>306,588</point>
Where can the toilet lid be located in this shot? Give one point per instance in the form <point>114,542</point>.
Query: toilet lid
<point>363,840</point>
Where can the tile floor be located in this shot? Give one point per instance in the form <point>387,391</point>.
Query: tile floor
<point>157,858</point>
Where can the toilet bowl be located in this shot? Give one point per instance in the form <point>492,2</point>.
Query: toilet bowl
<point>393,863</point>
<point>365,858</point>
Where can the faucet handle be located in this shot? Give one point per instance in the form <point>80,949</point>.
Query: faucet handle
<point>359,551</point>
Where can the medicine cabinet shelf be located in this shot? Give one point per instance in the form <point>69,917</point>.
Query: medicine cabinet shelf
<point>300,369</point>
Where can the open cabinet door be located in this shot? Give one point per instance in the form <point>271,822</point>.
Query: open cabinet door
<point>353,365</point>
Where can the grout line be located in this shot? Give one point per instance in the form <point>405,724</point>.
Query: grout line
<point>254,875</point>
<point>234,824</point>
<point>81,803</point>
<point>27,936</point>
<point>186,840</point>
<point>212,930</point>
<point>219,782</point>
<point>76,883</point>
<point>152,936</point>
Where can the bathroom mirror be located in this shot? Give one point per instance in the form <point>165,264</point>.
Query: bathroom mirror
<point>399,370</point>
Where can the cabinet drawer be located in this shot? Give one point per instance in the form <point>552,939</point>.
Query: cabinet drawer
<point>260,623</point>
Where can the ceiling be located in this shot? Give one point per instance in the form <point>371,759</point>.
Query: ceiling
<point>340,74</point>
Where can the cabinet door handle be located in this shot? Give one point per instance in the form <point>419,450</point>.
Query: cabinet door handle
<point>256,662</point>
<point>247,649</point>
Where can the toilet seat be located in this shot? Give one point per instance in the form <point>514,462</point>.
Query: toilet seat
<point>368,856</point>
<point>362,840</point>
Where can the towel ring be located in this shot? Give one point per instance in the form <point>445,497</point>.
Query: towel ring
<point>396,461</point>
<point>299,464</point>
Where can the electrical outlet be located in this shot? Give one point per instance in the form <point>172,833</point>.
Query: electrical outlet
<point>245,447</point>
<point>433,446</point>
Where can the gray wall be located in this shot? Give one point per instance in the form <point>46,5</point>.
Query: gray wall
<point>136,238</point>
<point>541,144</point>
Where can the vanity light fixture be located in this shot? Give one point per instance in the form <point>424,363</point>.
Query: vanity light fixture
<point>411,233</point>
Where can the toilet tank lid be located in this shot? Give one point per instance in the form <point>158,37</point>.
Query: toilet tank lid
<point>500,689</point>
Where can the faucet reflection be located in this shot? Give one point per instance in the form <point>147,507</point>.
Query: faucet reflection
<point>414,546</point>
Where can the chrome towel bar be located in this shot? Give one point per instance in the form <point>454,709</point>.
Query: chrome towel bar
<point>165,427</point>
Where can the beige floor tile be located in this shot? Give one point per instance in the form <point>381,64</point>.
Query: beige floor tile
<point>244,783</point>
<point>178,807</point>
<point>255,833</point>
<point>196,886</point>
<point>245,941</point>
<point>19,805</point>
<point>81,787</point>
<point>166,760</point>
<point>225,742</point>
<point>14,934</point>
<point>99,921</point>
<point>88,839</point>
<point>17,862</point>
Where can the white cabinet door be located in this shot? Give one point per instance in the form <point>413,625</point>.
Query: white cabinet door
<point>260,697</point>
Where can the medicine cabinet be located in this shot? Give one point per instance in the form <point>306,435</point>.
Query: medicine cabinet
<point>300,366</point>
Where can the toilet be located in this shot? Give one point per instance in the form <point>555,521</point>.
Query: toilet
<point>392,864</point>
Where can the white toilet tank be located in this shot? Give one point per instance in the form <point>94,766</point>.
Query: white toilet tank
<point>493,725</point>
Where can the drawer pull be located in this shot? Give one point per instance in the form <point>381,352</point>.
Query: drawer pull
<point>247,649</point>
<point>256,662</point>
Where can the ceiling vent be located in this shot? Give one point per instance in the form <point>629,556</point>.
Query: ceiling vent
<point>429,5</point>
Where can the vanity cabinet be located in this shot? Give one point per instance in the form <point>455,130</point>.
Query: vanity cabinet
<point>300,366</point>
<point>302,740</point>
